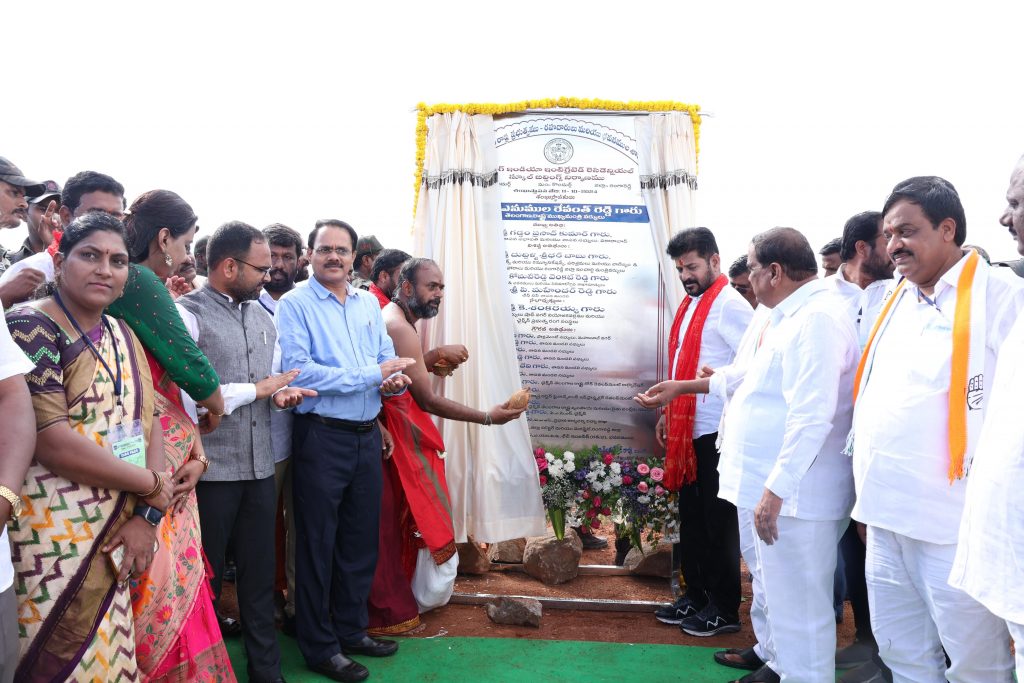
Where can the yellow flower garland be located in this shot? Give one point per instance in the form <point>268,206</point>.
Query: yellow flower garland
<point>424,111</point>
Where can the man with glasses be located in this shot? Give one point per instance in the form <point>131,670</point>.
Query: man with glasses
<point>335,335</point>
<point>237,496</point>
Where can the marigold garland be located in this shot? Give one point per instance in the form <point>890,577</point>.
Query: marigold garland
<point>423,111</point>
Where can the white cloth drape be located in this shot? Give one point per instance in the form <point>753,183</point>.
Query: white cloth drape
<point>668,181</point>
<point>492,476</point>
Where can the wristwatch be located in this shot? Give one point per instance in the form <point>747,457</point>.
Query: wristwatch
<point>149,513</point>
<point>199,457</point>
<point>13,499</point>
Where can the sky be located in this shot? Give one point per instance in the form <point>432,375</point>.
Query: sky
<point>290,112</point>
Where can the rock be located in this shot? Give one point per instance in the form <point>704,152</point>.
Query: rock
<point>515,611</point>
<point>655,562</point>
<point>472,559</point>
<point>553,561</point>
<point>509,552</point>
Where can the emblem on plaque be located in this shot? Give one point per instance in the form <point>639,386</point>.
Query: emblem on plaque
<point>558,150</point>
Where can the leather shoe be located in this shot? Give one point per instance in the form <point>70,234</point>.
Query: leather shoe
<point>371,647</point>
<point>739,658</point>
<point>341,668</point>
<point>229,628</point>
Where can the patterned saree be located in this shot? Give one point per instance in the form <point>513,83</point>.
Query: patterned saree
<point>74,619</point>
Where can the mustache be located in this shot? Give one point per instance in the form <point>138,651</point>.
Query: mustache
<point>902,252</point>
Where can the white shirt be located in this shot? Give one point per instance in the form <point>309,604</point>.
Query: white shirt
<point>727,320</point>
<point>864,305</point>
<point>42,262</point>
<point>13,361</point>
<point>901,438</point>
<point>790,409</point>
<point>237,394</point>
<point>989,563</point>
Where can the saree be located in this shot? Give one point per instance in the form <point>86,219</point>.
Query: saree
<point>177,637</point>
<point>74,618</point>
<point>416,513</point>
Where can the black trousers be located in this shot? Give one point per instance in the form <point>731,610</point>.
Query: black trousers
<point>336,490</point>
<point>239,516</point>
<point>709,535</point>
<point>853,552</point>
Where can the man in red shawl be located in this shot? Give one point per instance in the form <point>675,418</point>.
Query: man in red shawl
<point>706,331</point>
<point>417,560</point>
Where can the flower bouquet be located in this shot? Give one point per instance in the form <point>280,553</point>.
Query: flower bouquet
<point>557,486</point>
<point>645,510</point>
<point>598,478</point>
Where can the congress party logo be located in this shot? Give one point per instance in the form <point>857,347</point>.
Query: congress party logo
<point>558,150</point>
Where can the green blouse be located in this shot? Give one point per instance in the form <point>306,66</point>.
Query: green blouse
<point>149,310</point>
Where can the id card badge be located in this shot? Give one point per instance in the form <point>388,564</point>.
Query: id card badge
<point>127,442</point>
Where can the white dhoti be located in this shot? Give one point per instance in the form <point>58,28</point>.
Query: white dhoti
<point>794,578</point>
<point>915,613</point>
<point>1017,633</point>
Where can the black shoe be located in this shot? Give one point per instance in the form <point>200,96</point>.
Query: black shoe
<point>592,542</point>
<point>742,658</point>
<point>763,675</point>
<point>341,668</point>
<point>371,647</point>
<point>288,626</point>
<point>709,622</point>
<point>675,613</point>
<point>229,628</point>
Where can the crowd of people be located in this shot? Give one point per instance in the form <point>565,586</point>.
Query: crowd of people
<point>183,407</point>
<point>856,437</point>
<point>164,409</point>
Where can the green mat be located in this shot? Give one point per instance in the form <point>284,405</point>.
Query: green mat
<point>517,660</point>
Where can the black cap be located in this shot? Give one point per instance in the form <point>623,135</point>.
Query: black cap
<point>51,190</point>
<point>11,174</point>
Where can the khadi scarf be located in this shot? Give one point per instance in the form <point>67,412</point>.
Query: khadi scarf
<point>680,458</point>
<point>966,382</point>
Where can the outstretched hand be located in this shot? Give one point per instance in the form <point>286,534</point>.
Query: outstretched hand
<point>289,397</point>
<point>500,414</point>
<point>661,394</point>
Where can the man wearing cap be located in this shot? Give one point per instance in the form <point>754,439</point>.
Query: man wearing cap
<point>366,253</point>
<point>40,231</point>
<point>13,210</point>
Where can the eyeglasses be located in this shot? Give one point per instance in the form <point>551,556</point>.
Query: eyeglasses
<point>263,271</point>
<point>340,251</point>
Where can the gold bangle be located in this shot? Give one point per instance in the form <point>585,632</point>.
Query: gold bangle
<point>157,487</point>
<point>200,458</point>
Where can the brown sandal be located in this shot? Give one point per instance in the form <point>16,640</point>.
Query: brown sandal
<point>739,658</point>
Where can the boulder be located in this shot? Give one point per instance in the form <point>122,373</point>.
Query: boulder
<point>515,611</point>
<point>654,562</point>
<point>553,561</point>
<point>508,552</point>
<point>472,559</point>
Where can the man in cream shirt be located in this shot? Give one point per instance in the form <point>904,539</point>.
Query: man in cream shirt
<point>989,562</point>
<point>866,271</point>
<point>912,445</point>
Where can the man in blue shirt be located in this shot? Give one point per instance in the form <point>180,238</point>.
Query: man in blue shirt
<point>335,335</point>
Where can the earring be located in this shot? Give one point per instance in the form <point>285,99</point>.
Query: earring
<point>168,260</point>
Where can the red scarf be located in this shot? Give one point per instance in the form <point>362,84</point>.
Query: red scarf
<point>382,298</point>
<point>680,458</point>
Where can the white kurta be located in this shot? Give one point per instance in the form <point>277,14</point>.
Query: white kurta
<point>864,305</point>
<point>12,362</point>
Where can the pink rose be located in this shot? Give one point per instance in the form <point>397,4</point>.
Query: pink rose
<point>609,458</point>
<point>586,493</point>
<point>543,480</point>
<point>657,474</point>
<point>642,487</point>
<point>658,491</point>
<point>627,480</point>
<point>606,511</point>
<point>642,468</point>
<point>595,523</point>
<point>591,513</point>
<point>538,453</point>
<point>597,501</point>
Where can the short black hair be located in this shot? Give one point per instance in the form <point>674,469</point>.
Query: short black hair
<point>150,213</point>
<point>85,182</point>
<point>411,268</point>
<point>789,248</point>
<point>387,260</point>
<point>83,226</point>
<point>700,240</point>
<point>937,198</point>
<point>739,267</point>
<point>834,246</point>
<point>231,240</point>
<point>280,235</point>
<point>863,227</point>
<point>333,223</point>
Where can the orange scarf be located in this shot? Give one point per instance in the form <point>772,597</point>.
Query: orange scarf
<point>680,458</point>
<point>959,367</point>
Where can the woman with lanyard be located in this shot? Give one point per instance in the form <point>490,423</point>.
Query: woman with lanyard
<point>97,487</point>
<point>176,624</point>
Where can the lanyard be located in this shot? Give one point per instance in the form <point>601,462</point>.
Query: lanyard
<point>95,351</point>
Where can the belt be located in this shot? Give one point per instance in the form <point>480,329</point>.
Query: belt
<point>343,425</point>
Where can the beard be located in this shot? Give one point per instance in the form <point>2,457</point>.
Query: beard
<point>879,266</point>
<point>697,287</point>
<point>240,295</point>
<point>282,284</point>
<point>424,309</point>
